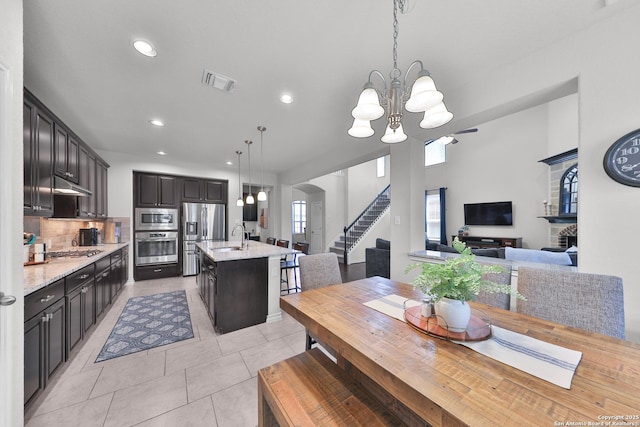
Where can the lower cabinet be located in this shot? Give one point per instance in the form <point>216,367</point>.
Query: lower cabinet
<point>235,292</point>
<point>157,271</point>
<point>58,316</point>
<point>80,305</point>
<point>44,338</point>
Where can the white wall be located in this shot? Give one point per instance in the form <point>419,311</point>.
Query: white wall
<point>334,187</point>
<point>604,58</point>
<point>499,163</point>
<point>11,317</point>
<point>562,125</point>
<point>364,186</point>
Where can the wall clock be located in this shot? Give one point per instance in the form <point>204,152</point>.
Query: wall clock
<point>622,159</point>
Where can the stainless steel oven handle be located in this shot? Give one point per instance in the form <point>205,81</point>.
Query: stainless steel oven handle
<point>170,239</point>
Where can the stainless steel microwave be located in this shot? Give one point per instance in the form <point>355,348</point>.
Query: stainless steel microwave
<point>152,219</point>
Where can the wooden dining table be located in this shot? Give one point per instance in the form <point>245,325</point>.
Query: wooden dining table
<point>426,380</point>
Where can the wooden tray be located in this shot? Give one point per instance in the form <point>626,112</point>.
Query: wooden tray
<point>478,329</point>
<point>36,263</point>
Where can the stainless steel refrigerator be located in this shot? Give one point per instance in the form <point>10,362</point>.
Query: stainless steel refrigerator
<point>200,222</point>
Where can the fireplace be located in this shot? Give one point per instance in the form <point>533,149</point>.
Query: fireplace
<point>568,236</point>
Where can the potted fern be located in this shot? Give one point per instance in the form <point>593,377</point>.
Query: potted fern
<point>458,280</point>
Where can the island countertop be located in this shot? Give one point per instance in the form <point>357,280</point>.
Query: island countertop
<point>38,276</point>
<point>218,251</point>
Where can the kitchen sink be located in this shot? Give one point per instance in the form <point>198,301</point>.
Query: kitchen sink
<point>227,249</point>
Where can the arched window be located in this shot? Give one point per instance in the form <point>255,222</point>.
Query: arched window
<point>569,191</point>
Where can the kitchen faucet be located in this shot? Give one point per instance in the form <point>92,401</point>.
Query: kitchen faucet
<point>233,233</point>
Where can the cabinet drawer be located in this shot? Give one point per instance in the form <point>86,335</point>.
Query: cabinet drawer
<point>156,271</point>
<point>78,278</point>
<point>36,302</point>
<point>116,256</point>
<point>103,263</point>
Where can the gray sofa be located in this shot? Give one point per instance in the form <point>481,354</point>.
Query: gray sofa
<point>544,255</point>
<point>378,259</point>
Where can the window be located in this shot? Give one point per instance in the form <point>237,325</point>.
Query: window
<point>434,153</point>
<point>432,215</point>
<point>380,166</point>
<point>569,191</point>
<point>299,216</point>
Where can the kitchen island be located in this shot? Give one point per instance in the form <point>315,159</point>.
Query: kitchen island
<point>240,286</point>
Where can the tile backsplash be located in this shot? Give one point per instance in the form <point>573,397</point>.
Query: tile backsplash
<point>63,233</point>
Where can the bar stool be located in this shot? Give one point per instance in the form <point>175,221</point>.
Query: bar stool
<point>287,264</point>
<point>271,240</point>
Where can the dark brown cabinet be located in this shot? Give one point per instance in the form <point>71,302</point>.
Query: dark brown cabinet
<point>44,337</point>
<point>103,285</point>
<point>203,190</point>
<point>66,154</point>
<point>58,317</point>
<point>155,190</point>
<point>235,292</point>
<point>80,300</point>
<point>38,137</point>
<point>101,189</point>
<point>87,179</point>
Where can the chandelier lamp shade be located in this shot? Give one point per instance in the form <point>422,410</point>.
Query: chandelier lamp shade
<point>239,202</point>
<point>262,195</point>
<point>250,200</point>
<point>421,97</point>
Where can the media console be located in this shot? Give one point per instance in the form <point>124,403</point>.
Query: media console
<point>490,242</point>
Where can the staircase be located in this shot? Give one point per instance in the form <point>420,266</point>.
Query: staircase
<point>358,228</point>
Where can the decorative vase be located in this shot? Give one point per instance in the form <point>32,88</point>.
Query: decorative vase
<point>453,314</point>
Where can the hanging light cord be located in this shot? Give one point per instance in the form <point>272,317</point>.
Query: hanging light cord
<point>261,129</point>
<point>249,154</point>
<point>239,179</point>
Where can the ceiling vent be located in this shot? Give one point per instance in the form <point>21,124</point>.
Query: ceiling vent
<point>218,81</point>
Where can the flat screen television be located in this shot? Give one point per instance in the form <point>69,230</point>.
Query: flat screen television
<point>495,213</point>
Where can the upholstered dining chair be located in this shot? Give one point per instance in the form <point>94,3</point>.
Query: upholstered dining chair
<point>317,271</point>
<point>594,302</point>
<point>497,299</point>
<point>271,241</point>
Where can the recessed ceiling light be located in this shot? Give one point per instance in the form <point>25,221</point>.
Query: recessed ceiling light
<point>286,98</point>
<point>145,48</point>
<point>157,122</point>
<point>229,163</point>
<point>162,153</point>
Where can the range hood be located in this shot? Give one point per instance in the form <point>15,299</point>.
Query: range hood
<point>63,187</point>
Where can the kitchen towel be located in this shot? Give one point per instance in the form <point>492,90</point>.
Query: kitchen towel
<point>546,361</point>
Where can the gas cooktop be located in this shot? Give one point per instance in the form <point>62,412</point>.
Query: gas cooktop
<point>73,253</point>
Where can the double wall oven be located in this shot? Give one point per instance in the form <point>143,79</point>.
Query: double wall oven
<point>156,236</point>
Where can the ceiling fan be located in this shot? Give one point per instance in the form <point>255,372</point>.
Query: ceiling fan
<point>450,138</point>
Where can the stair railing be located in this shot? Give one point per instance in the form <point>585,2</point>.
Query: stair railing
<point>350,238</point>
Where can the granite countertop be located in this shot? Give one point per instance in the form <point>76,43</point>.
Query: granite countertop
<point>443,256</point>
<point>40,275</point>
<point>252,250</point>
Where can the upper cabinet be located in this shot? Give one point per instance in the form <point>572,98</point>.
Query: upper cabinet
<point>101,189</point>
<point>38,137</point>
<point>52,149</point>
<point>87,204</point>
<point>66,154</point>
<point>155,190</point>
<point>203,190</point>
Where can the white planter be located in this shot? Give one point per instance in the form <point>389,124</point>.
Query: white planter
<point>453,314</point>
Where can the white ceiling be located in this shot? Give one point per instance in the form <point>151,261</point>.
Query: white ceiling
<point>79,61</point>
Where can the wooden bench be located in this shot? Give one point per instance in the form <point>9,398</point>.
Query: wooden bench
<point>310,390</point>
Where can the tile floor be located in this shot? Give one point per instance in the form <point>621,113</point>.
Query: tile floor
<point>209,380</point>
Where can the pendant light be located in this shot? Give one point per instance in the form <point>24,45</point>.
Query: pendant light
<point>239,202</point>
<point>262,195</point>
<point>250,200</point>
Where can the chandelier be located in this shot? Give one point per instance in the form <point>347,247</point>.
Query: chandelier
<point>421,97</point>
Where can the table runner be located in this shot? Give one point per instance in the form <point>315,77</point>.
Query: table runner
<point>546,361</point>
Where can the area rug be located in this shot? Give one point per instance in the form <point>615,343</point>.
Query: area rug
<point>147,322</point>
